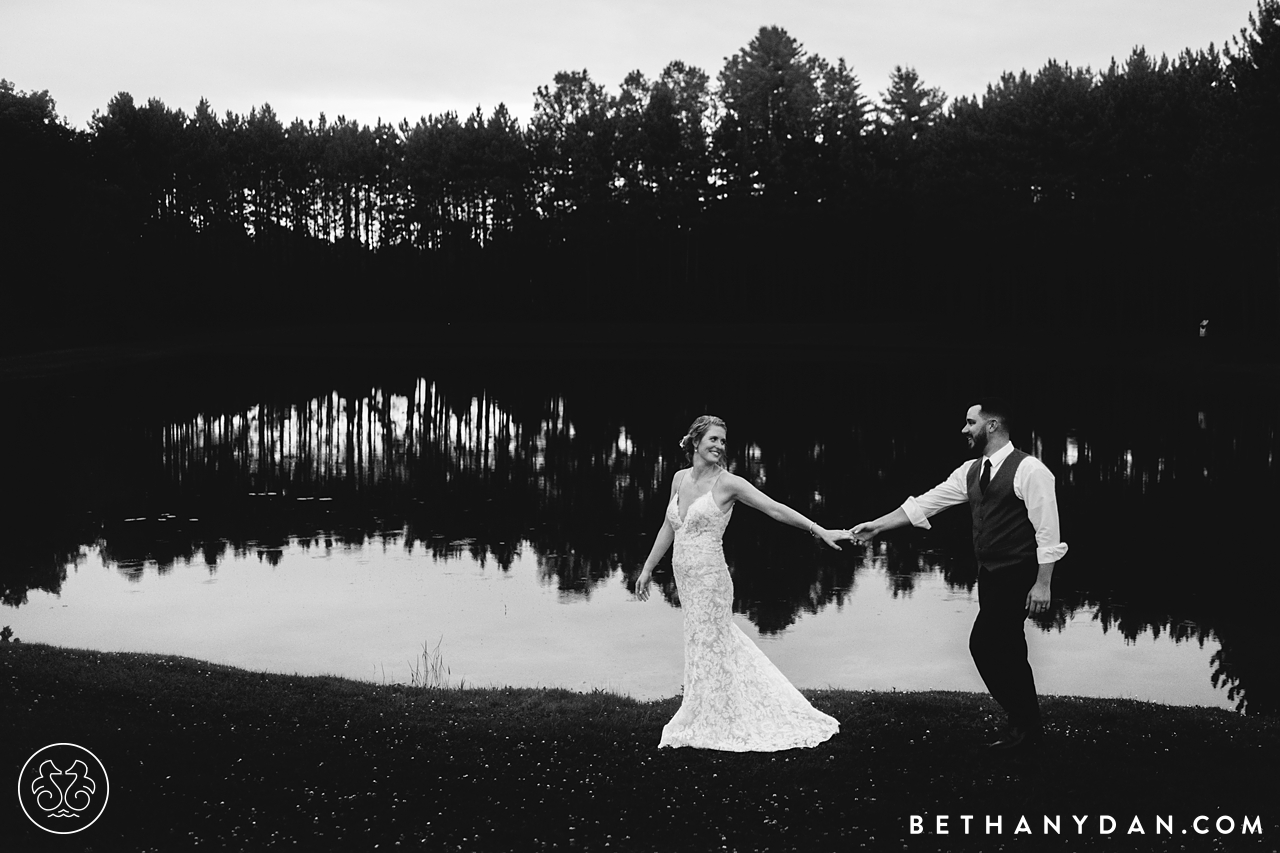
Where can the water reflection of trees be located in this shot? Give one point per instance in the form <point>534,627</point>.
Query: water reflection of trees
<point>581,482</point>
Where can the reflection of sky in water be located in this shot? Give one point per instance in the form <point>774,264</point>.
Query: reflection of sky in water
<point>366,613</point>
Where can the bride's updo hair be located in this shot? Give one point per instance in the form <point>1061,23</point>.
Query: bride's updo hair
<point>697,430</point>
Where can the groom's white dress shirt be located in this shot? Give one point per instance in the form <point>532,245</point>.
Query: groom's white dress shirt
<point>1032,484</point>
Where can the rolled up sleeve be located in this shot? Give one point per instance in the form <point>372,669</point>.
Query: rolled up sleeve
<point>916,515</point>
<point>1042,510</point>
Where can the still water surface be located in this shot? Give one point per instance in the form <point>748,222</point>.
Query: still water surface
<point>336,520</point>
<point>368,611</point>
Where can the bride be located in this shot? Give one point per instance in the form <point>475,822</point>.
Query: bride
<point>734,697</point>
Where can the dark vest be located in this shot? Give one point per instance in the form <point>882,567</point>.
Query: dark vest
<point>1003,535</point>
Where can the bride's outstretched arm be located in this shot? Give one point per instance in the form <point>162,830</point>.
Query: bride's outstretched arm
<point>660,545</point>
<point>756,499</point>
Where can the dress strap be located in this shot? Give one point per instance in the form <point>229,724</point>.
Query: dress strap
<point>712,488</point>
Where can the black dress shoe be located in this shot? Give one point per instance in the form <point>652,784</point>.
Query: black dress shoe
<point>1016,738</point>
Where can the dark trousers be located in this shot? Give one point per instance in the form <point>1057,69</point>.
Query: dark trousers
<point>999,646</point>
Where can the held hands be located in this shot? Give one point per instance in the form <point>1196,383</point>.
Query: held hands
<point>830,537</point>
<point>863,533</point>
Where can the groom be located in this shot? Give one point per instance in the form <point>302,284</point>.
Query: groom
<point>1015,538</point>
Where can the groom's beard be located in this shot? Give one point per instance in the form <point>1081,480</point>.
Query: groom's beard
<point>979,444</point>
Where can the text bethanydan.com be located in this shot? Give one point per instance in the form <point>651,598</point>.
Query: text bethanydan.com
<point>967,824</point>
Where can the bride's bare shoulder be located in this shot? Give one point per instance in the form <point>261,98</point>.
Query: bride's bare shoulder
<point>731,481</point>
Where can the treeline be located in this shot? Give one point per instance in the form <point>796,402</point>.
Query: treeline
<point>1140,200</point>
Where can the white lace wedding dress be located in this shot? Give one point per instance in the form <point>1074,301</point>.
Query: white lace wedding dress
<point>734,698</point>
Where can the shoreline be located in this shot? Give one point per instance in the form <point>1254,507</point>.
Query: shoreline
<point>205,754</point>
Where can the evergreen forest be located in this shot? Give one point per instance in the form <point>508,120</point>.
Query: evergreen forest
<point>1135,202</point>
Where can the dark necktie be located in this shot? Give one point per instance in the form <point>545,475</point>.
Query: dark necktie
<point>986,476</point>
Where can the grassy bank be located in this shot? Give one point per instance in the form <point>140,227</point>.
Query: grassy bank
<point>203,756</point>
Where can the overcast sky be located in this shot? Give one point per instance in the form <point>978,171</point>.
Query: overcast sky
<point>405,58</point>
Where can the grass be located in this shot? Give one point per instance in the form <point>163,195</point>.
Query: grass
<point>206,756</point>
<point>429,671</point>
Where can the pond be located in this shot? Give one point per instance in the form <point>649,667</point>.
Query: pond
<point>476,515</point>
